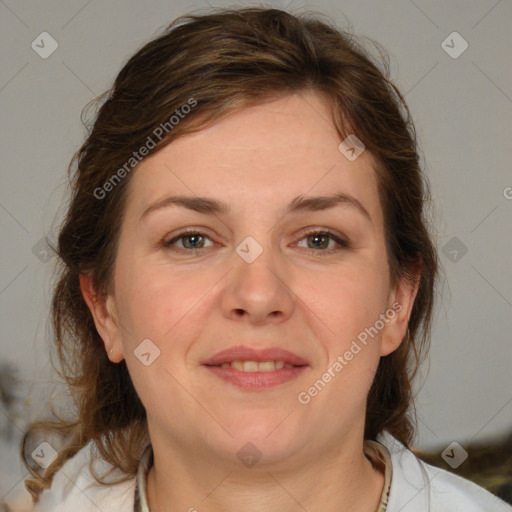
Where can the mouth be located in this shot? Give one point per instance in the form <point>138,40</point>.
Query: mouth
<point>267,356</point>
<point>255,366</point>
<point>251,369</point>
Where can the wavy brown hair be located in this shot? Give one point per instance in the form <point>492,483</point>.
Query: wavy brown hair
<point>225,60</point>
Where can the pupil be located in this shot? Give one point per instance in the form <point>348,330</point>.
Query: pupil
<point>193,237</point>
<point>316,238</point>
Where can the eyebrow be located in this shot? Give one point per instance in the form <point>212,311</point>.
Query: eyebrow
<point>210,206</point>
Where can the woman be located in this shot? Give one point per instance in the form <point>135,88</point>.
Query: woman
<point>247,284</point>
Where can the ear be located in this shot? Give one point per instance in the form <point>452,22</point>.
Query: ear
<point>105,318</point>
<point>401,300</point>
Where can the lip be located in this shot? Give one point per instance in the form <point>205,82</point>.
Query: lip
<point>243,353</point>
<point>256,381</point>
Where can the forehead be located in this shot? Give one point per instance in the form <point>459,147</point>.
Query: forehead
<point>268,153</point>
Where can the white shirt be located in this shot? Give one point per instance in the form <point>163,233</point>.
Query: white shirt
<point>415,487</point>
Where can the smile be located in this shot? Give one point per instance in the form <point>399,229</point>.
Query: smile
<point>256,366</point>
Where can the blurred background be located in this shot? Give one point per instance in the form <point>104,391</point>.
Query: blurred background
<point>452,62</point>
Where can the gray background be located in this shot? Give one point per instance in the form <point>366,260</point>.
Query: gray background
<point>462,109</point>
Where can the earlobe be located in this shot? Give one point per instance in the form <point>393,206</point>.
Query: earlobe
<point>401,302</point>
<point>104,316</point>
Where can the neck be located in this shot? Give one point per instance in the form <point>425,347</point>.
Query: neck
<point>342,479</point>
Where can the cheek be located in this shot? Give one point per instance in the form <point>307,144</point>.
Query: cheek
<point>351,305</point>
<point>155,300</point>
<point>351,299</point>
<point>165,308</point>
<point>347,304</point>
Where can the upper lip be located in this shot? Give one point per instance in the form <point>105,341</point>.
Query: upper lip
<point>243,353</point>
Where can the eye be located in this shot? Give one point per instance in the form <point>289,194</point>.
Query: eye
<point>192,238</point>
<point>320,239</point>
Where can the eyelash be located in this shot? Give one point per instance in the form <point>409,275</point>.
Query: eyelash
<point>342,244</point>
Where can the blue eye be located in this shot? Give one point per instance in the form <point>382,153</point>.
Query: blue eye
<point>192,239</point>
<point>317,240</point>
<point>196,237</point>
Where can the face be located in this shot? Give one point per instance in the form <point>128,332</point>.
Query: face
<point>268,272</point>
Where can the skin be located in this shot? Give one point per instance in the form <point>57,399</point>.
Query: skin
<point>294,296</point>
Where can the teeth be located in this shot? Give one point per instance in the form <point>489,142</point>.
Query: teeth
<point>255,366</point>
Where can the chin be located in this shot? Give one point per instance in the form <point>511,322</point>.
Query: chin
<point>272,435</point>
<point>261,451</point>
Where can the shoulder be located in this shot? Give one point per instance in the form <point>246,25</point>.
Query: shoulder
<point>417,486</point>
<point>74,487</point>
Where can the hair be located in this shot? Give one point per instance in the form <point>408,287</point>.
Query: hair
<point>227,60</point>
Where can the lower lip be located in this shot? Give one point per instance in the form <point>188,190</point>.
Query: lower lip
<point>256,380</point>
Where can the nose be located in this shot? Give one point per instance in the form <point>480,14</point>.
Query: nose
<point>259,292</point>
